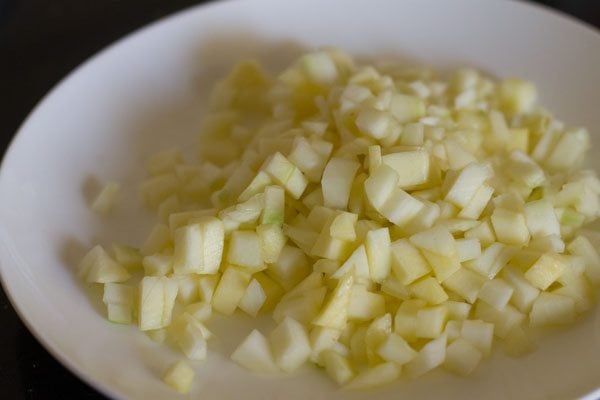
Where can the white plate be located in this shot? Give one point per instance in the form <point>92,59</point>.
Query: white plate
<point>147,91</point>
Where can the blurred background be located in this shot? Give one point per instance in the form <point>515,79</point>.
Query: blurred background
<point>41,41</point>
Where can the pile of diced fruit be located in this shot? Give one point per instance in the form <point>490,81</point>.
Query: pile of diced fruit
<point>389,219</point>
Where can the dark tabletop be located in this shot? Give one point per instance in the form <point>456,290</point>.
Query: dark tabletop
<point>40,42</point>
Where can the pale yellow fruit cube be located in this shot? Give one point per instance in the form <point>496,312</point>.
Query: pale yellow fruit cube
<point>274,210</point>
<point>429,290</point>
<point>429,357</point>
<point>406,108</point>
<point>99,267</point>
<point>201,311</point>
<point>357,265</point>
<point>303,306</point>
<point>405,320</point>
<point>190,336</point>
<point>343,226</point>
<point>467,183</point>
<point>337,366</point>
<point>118,293</point>
<point>290,268</point>
<point>581,246</point>
<point>321,339</point>
<point>581,291</point>
<point>412,167</point>
<point>478,202</point>
<point>396,349</point>
<point>179,376</point>
<point>119,313</point>
<point>462,357</point>
<point>257,185</point>
<point>431,321</point>
<point>496,293</point>
<point>157,264</point>
<point>378,375</point>
<point>337,181</point>
<point>290,344</point>
<point>335,312</point>
<point>129,257</point>
<point>273,291</point>
<point>523,292</point>
<point>244,250</point>
<point>407,263</point>
<point>517,96</point>
<point>376,333</point>
<point>254,354</point>
<point>253,299</point>
<point>307,159</point>
<point>443,267</point>
<point>377,245</point>
<point>545,271</point>
<point>458,310</point>
<point>483,232</point>
<point>374,158</point>
<point>156,300</point>
<point>552,309</point>
<point>437,240</point>
<point>104,202</point>
<point>373,122</point>
<point>510,227</point>
<point>230,290</point>
<point>380,185</point>
<point>504,320</point>
<point>479,333</point>
<point>365,305</point>
<point>401,208</point>
<point>157,240</point>
<point>465,283</point>
<point>206,287</point>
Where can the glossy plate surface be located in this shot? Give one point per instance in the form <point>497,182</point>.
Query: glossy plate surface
<point>148,91</point>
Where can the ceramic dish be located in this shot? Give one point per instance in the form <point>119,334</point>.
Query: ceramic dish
<point>148,91</point>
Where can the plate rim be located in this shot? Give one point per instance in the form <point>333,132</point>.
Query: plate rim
<point>48,343</point>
